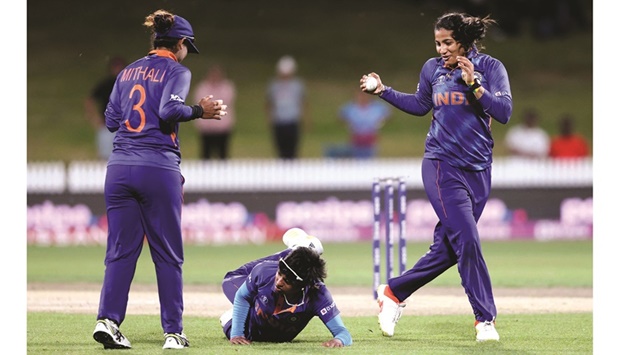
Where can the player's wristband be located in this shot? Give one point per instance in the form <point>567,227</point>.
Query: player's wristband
<point>197,111</point>
<point>475,86</point>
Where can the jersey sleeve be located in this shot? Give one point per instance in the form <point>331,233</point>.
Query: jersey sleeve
<point>172,107</point>
<point>113,112</point>
<point>329,314</point>
<point>420,103</point>
<point>497,99</point>
<point>325,306</point>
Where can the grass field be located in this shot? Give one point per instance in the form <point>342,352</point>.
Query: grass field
<point>513,265</point>
<point>520,334</point>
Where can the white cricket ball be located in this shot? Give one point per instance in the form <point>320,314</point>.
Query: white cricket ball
<point>371,84</point>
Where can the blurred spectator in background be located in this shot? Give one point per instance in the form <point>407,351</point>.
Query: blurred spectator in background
<point>528,139</point>
<point>568,144</point>
<point>96,103</point>
<point>364,117</point>
<point>286,108</point>
<point>215,134</point>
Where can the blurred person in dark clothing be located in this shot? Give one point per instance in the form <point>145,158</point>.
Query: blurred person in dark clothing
<point>95,105</point>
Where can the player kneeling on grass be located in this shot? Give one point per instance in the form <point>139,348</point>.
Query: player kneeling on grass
<point>275,297</point>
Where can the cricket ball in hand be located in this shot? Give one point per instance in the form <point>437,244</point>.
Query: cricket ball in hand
<point>371,84</point>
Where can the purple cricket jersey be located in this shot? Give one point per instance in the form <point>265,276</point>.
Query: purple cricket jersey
<point>235,278</point>
<point>271,318</point>
<point>145,108</point>
<point>460,131</point>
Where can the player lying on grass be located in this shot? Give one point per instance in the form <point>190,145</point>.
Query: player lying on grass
<point>275,297</point>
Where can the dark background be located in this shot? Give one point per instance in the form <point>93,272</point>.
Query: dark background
<point>546,47</point>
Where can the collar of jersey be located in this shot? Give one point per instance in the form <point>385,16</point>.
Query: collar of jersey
<point>163,53</point>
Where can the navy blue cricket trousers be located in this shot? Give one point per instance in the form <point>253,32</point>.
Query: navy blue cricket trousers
<point>143,201</point>
<point>458,197</point>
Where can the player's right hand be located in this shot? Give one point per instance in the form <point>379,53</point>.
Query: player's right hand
<point>212,109</point>
<point>380,86</point>
<point>333,343</point>
<point>240,340</point>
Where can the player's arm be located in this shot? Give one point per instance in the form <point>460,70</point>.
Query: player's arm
<point>418,104</point>
<point>497,100</point>
<point>241,309</point>
<point>172,107</point>
<point>341,334</point>
<point>113,112</point>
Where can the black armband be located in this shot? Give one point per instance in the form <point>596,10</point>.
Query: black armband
<point>475,85</point>
<point>197,111</point>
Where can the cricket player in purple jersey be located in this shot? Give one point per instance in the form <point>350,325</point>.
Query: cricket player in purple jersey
<point>143,185</point>
<point>466,90</point>
<point>292,238</point>
<point>275,297</point>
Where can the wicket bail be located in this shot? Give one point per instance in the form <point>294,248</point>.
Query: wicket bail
<point>388,184</point>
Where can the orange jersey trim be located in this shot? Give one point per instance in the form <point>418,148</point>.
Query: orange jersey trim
<point>164,53</point>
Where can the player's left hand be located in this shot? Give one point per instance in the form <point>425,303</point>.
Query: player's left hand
<point>333,343</point>
<point>467,69</point>
<point>240,340</point>
<point>212,109</point>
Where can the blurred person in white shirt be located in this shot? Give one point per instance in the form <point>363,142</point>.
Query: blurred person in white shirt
<point>528,139</point>
<point>215,134</point>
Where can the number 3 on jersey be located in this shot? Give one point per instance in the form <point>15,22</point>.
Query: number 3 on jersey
<point>137,107</point>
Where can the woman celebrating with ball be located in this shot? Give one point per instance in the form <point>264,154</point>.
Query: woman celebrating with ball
<point>466,90</point>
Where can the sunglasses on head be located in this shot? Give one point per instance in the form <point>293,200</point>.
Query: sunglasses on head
<point>283,263</point>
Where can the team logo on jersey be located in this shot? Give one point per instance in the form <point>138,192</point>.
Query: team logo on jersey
<point>174,97</point>
<point>328,308</point>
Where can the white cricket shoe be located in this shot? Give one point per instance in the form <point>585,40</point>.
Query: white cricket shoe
<point>291,236</point>
<point>297,237</point>
<point>312,242</point>
<point>175,341</point>
<point>486,331</point>
<point>389,311</point>
<point>224,318</point>
<point>107,333</point>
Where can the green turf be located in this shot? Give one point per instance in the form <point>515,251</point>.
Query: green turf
<point>511,264</point>
<point>519,334</point>
<point>333,46</point>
